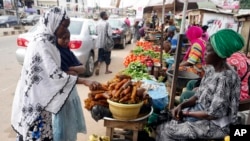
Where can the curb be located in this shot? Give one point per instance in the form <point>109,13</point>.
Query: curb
<point>14,32</point>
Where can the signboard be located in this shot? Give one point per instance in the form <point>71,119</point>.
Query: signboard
<point>227,4</point>
<point>139,13</point>
<point>7,4</point>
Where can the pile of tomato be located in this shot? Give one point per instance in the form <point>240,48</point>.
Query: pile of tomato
<point>143,52</point>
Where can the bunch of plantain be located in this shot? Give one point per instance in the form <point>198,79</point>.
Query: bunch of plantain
<point>123,90</point>
<point>94,137</point>
<point>120,89</point>
<point>97,97</point>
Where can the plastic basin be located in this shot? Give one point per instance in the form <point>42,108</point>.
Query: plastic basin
<point>183,78</point>
<point>124,111</point>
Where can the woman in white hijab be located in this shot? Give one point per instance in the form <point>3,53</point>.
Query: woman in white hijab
<point>43,87</point>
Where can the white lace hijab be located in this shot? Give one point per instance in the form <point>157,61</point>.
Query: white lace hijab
<point>42,85</point>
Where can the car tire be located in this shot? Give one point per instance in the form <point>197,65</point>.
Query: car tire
<point>123,43</point>
<point>7,25</point>
<point>130,41</point>
<point>90,64</point>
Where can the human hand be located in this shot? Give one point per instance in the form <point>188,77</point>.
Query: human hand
<point>93,85</point>
<point>177,113</point>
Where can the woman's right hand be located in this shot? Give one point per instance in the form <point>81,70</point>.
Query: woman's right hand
<point>177,113</point>
<point>93,85</point>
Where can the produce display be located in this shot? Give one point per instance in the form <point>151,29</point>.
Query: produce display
<point>120,89</point>
<point>95,137</point>
<point>144,51</point>
<point>137,71</point>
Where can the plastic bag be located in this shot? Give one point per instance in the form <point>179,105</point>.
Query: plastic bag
<point>99,112</point>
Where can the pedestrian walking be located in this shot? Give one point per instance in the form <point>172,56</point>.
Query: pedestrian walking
<point>103,31</point>
<point>136,33</point>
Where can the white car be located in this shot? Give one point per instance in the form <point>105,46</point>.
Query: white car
<point>82,43</point>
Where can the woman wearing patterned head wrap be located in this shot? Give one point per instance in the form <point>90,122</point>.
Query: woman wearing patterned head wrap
<point>208,114</point>
<point>43,87</point>
<point>194,58</point>
<point>241,64</point>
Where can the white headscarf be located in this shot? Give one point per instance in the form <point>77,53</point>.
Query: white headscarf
<point>42,85</point>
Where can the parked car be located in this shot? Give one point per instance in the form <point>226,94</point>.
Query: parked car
<point>8,21</point>
<point>82,43</point>
<point>121,33</point>
<point>30,20</point>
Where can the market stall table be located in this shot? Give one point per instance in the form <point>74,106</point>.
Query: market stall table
<point>135,125</point>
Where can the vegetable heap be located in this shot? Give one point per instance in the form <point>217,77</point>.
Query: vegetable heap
<point>137,71</point>
<point>143,51</point>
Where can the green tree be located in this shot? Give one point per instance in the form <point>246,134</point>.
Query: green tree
<point>244,4</point>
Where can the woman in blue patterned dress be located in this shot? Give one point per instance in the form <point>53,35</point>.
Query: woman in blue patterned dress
<point>43,88</point>
<point>208,114</point>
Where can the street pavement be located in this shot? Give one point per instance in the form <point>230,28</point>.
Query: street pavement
<point>10,72</point>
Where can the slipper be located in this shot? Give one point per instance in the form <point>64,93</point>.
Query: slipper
<point>97,72</point>
<point>107,72</point>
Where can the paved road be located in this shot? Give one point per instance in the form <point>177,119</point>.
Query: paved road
<point>9,74</point>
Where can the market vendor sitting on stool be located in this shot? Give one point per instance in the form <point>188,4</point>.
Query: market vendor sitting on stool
<point>194,57</point>
<point>240,63</point>
<point>214,106</point>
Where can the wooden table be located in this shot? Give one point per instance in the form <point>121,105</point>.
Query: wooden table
<point>135,125</point>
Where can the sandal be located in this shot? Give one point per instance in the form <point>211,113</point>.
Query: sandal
<point>97,72</point>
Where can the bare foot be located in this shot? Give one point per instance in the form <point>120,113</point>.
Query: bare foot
<point>97,72</point>
<point>107,72</point>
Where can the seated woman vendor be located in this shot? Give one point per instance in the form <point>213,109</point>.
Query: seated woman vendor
<point>194,58</point>
<point>241,64</point>
<point>208,114</point>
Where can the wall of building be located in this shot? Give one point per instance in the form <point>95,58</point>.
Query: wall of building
<point>244,31</point>
<point>217,21</point>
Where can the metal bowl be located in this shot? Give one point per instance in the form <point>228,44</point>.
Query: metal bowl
<point>183,78</point>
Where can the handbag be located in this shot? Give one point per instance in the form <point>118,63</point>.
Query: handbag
<point>109,42</point>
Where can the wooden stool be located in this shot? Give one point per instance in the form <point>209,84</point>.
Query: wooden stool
<point>135,126</point>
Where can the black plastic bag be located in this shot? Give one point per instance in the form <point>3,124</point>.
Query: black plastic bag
<point>99,112</point>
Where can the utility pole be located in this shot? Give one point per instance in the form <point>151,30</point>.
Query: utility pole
<point>57,2</point>
<point>17,14</point>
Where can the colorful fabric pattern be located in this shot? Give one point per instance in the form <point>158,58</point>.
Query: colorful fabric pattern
<point>41,129</point>
<point>195,54</point>
<point>240,62</point>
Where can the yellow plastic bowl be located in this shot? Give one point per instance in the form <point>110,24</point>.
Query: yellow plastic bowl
<point>124,111</point>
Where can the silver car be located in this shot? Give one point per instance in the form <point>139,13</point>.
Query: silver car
<point>82,43</point>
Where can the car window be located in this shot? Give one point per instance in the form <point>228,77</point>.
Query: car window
<point>115,23</point>
<point>75,27</point>
<point>13,18</point>
<point>92,28</point>
<point>3,17</point>
<point>30,17</point>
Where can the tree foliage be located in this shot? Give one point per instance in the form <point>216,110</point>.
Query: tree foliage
<point>244,4</point>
